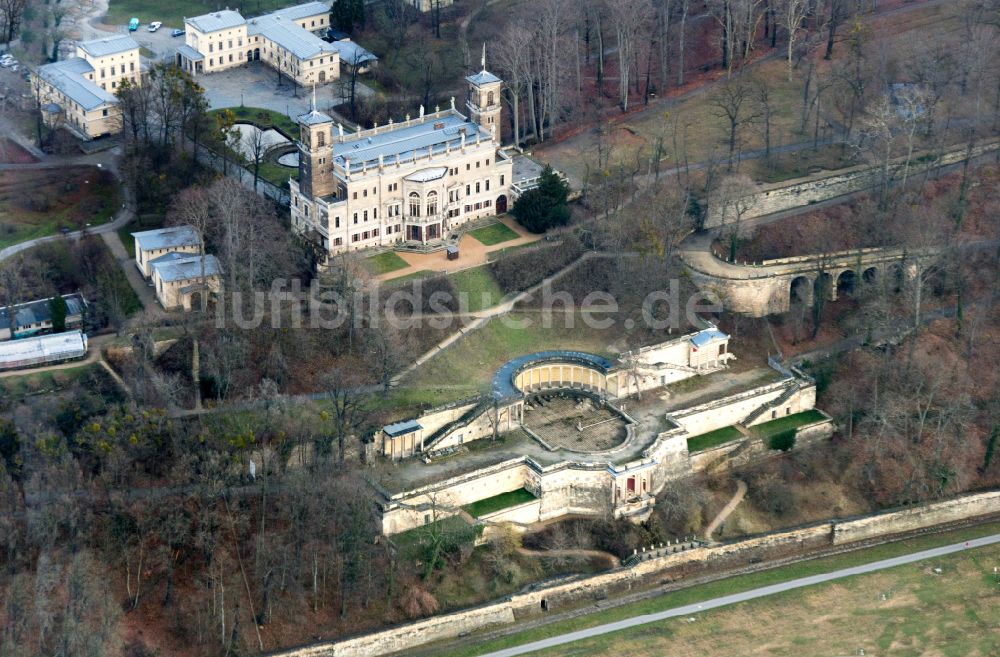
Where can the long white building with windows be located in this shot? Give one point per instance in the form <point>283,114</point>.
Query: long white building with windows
<point>409,181</point>
<point>285,40</point>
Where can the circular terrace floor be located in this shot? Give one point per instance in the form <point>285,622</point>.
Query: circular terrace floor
<point>565,419</point>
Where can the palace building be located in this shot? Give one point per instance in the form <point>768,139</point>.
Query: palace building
<point>79,92</point>
<point>284,40</point>
<point>411,181</point>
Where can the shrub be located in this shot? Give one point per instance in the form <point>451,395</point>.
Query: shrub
<point>520,270</point>
<point>783,441</point>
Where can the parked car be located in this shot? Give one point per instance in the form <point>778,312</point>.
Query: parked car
<point>177,33</point>
<point>154,26</point>
<point>133,25</point>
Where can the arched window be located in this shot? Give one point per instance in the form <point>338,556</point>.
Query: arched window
<point>432,204</point>
<point>414,204</point>
<point>489,99</point>
<point>320,138</point>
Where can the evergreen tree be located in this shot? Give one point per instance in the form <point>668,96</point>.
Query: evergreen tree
<point>545,206</point>
<point>57,308</point>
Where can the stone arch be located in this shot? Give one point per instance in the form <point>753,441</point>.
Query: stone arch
<point>800,290</point>
<point>870,275</point>
<point>895,277</point>
<point>823,287</point>
<point>847,282</point>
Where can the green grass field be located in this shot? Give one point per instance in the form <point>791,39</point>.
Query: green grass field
<point>383,263</point>
<point>498,502</point>
<point>794,421</point>
<point>172,13</point>
<point>784,623</point>
<point>39,203</point>
<point>713,438</point>
<point>479,288</point>
<point>466,367</point>
<point>493,234</point>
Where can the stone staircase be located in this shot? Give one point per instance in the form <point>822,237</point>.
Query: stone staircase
<point>458,423</point>
<point>777,401</point>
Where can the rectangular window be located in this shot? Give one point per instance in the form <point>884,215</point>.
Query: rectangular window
<point>355,196</point>
<point>355,218</point>
<point>337,241</point>
<point>477,188</point>
<point>501,180</point>
<point>487,161</point>
<point>375,213</point>
<point>366,193</point>
<point>468,166</point>
<point>375,233</point>
<point>468,189</point>
<point>364,235</point>
<point>366,215</point>
<point>336,222</point>
<point>477,164</point>
<point>487,185</point>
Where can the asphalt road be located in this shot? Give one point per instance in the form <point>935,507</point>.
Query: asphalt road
<point>723,601</point>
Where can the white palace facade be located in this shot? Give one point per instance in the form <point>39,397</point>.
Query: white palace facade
<point>411,181</point>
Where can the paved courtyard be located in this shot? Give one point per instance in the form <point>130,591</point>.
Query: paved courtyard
<point>574,422</point>
<point>256,85</point>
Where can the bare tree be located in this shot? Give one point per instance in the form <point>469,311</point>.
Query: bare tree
<point>793,13</point>
<point>628,18</point>
<point>732,102</point>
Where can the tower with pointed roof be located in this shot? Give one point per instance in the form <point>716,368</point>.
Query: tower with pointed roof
<point>484,99</point>
<point>315,153</point>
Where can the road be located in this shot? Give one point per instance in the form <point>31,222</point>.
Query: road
<point>753,594</point>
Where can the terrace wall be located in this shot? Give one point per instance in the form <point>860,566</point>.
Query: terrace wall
<point>654,566</point>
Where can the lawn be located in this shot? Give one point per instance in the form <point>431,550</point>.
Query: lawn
<point>383,263</point>
<point>141,223</point>
<point>794,421</point>
<point>494,234</point>
<point>713,438</point>
<point>973,589</point>
<point>477,289</point>
<point>908,610</point>
<point>498,502</point>
<point>38,203</point>
<point>264,118</point>
<point>172,13</point>
<point>466,367</point>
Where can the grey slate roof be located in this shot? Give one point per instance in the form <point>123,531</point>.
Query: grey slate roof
<point>304,10</point>
<point>400,428</point>
<point>483,77</point>
<point>167,257</point>
<point>226,19</point>
<point>353,54</point>
<point>314,117</point>
<point>503,380</point>
<point>166,238</point>
<point>287,34</point>
<point>185,269</point>
<point>428,174</point>
<point>109,45</point>
<point>702,338</point>
<point>407,141</point>
<point>67,77</point>
<point>190,53</point>
<point>37,311</point>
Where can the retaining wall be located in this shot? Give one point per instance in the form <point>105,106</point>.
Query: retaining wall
<point>662,564</point>
<point>825,186</point>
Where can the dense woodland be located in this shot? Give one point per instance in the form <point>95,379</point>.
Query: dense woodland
<point>132,524</point>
